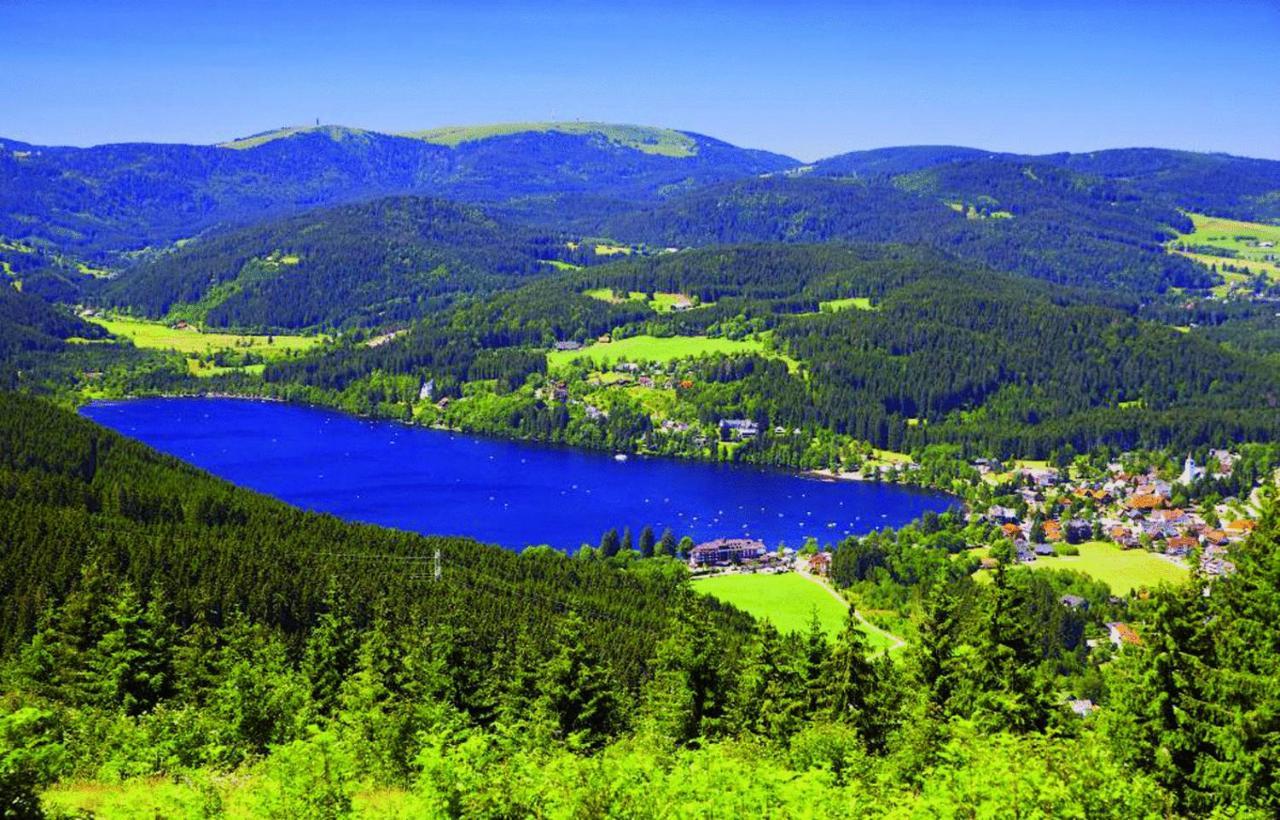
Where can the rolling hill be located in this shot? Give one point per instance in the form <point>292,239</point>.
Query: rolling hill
<point>112,198</point>
<point>369,263</point>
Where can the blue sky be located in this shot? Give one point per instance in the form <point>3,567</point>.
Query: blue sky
<point>805,78</point>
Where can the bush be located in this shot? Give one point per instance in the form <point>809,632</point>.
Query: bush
<point>29,759</point>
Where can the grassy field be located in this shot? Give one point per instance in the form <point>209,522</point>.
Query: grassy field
<point>160,336</point>
<point>1235,236</point>
<point>660,141</point>
<point>852,303</point>
<point>653,349</point>
<point>1123,570</point>
<point>787,600</point>
<point>661,302</point>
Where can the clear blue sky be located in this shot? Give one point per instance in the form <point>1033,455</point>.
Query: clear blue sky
<point>805,78</point>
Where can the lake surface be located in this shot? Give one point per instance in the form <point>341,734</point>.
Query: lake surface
<point>502,492</point>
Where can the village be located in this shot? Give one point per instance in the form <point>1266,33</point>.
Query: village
<point>1055,512</point>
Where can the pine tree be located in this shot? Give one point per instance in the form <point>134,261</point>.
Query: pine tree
<point>330,652</point>
<point>610,544</point>
<point>935,650</point>
<point>667,544</point>
<point>1011,694</point>
<point>646,542</point>
<point>817,650</point>
<point>133,661</point>
<point>851,683</point>
<point>627,544</point>
<point>577,693</point>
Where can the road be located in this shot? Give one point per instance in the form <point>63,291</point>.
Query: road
<point>896,643</point>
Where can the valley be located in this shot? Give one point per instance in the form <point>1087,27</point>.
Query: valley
<point>576,468</point>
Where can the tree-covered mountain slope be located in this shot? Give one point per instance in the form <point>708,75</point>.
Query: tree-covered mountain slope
<point>1219,184</point>
<point>28,323</point>
<point>1039,221</point>
<point>940,351</point>
<point>123,197</point>
<point>361,264</point>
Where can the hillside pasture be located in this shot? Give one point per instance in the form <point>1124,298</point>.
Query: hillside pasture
<point>852,303</point>
<point>160,336</point>
<point>1122,570</point>
<point>788,600</point>
<point>1245,243</point>
<point>651,349</point>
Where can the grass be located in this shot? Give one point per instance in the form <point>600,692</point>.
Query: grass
<point>652,349</point>
<point>787,600</point>
<point>158,335</point>
<point>659,141</point>
<point>1233,236</point>
<point>853,302</point>
<point>1122,570</point>
<point>661,302</point>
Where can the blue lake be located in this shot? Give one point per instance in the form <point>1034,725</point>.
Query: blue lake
<point>502,492</point>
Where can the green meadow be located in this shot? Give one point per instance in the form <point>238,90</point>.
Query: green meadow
<point>1122,570</point>
<point>1242,240</point>
<point>788,600</point>
<point>158,335</point>
<point>661,302</point>
<point>852,303</point>
<point>652,349</point>
<point>659,141</point>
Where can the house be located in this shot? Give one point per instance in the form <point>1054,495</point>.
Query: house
<point>1044,550</point>
<point>1179,545</point>
<point>820,563</point>
<point>560,392</point>
<point>1052,530</point>
<point>1078,530</point>
<point>1174,516</point>
<point>1002,515</point>
<point>726,551</point>
<point>1216,538</point>
<point>428,390</point>
<point>1123,634</point>
<point>1239,528</point>
<point>1158,530</point>
<point>443,403</point>
<point>1144,501</point>
<point>738,429</point>
<point>566,346</point>
<point>595,413</point>
<point>1012,531</point>
<point>1074,602</point>
<point>1082,707</point>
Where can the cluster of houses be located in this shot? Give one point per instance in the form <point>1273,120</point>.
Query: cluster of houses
<point>1131,510</point>
<point>752,555</point>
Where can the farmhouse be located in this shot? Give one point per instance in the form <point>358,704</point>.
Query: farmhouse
<point>565,346</point>
<point>739,429</point>
<point>726,551</point>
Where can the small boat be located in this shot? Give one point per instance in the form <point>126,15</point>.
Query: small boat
<point>620,457</point>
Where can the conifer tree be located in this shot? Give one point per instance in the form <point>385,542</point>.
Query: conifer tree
<point>577,693</point>
<point>330,652</point>
<point>646,542</point>
<point>851,683</point>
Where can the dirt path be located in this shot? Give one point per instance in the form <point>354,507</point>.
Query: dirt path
<point>896,643</point>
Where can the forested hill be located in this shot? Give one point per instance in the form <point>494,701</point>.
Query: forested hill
<point>371,263</point>
<point>942,352</point>
<point>29,323</point>
<point>1219,184</point>
<point>118,197</point>
<point>85,510</point>
<point>1043,222</point>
